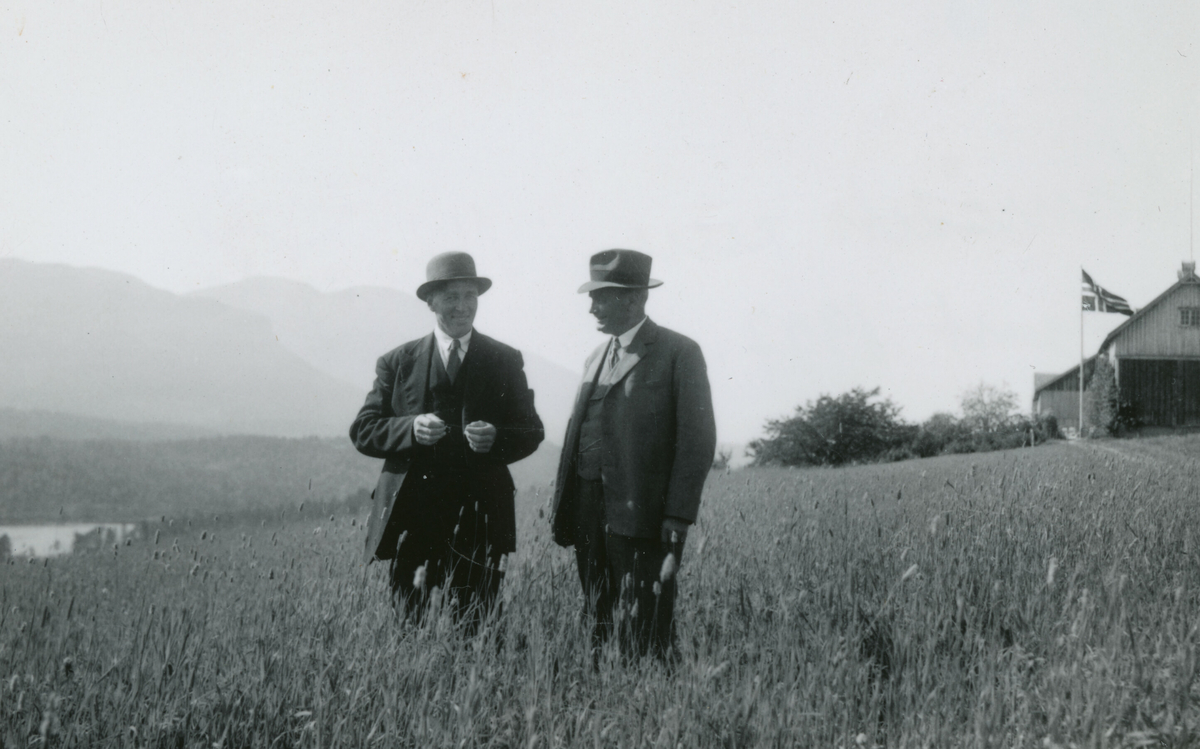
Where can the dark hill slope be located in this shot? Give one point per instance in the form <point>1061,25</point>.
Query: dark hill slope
<point>46,479</point>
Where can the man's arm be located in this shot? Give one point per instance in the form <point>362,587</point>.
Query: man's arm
<point>378,431</point>
<point>695,435</point>
<point>521,431</point>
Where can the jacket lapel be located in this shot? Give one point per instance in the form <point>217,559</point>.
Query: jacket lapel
<point>636,350</point>
<point>596,361</point>
<point>416,380</point>
<point>591,372</point>
<point>475,360</point>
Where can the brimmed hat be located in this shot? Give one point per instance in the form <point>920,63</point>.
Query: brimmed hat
<point>450,266</point>
<point>624,269</point>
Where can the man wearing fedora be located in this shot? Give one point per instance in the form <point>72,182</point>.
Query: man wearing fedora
<point>448,413</point>
<point>639,446</point>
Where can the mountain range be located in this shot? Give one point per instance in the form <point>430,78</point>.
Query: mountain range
<point>263,356</point>
<point>342,333</point>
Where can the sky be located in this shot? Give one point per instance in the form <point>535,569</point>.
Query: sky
<point>835,194</point>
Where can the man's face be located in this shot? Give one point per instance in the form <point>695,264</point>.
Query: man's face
<point>455,304</point>
<point>616,310</point>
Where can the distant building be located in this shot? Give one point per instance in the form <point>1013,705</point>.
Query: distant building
<point>1058,395</point>
<point>1156,356</point>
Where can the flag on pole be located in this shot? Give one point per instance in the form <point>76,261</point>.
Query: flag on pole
<point>1096,298</point>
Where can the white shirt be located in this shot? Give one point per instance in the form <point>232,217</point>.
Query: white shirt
<point>444,340</point>
<point>626,338</point>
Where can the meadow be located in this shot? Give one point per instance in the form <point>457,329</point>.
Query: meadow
<point>1041,597</point>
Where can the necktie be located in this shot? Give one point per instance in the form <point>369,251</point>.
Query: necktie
<point>613,356</point>
<point>454,361</point>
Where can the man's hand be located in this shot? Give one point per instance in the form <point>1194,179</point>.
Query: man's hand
<point>674,531</point>
<point>480,436</point>
<point>428,429</point>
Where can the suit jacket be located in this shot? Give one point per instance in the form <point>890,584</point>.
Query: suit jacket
<point>659,437</point>
<point>495,391</point>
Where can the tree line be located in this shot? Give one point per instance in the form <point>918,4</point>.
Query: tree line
<point>859,426</point>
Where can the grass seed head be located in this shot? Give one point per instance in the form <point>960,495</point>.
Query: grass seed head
<point>669,566</point>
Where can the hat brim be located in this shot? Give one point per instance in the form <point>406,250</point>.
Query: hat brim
<point>427,288</point>
<point>593,285</point>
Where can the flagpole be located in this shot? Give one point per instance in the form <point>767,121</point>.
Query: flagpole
<point>1080,359</point>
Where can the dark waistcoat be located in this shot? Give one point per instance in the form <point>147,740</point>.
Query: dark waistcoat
<point>445,399</point>
<point>591,435</point>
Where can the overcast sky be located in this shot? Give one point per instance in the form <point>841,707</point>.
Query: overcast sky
<point>835,194</point>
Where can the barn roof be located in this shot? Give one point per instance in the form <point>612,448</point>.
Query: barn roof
<point>1043,378</point>
<point>1187,276</point>
<point>1052,379</point>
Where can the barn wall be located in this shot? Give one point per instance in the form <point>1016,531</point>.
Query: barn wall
<point>1157,333</point>
<point>1068,380</point>
<point>1164,392</point>
<point>1063,404</point>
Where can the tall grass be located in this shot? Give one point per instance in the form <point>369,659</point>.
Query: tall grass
<point>1043,597</point>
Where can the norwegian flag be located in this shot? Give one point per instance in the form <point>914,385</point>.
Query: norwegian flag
<point>1096,298</point>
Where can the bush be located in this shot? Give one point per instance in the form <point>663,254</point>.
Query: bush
<point>961,446</point>
<point>895,454</point>
<point>854,428</point>
<point>721,460</point>
<point>1100,399</point>
<point>1047,427</point>
<point>833,431</point>
<point>939,431</point>
<point>1129,417</point>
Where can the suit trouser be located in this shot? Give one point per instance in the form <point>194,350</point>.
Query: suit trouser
<point>458,561</point>
<point>470,583</point>
<point>622,581</point>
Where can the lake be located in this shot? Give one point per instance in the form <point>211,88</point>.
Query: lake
<point>53,540</point>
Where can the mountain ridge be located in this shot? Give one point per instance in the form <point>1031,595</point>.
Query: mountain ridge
<point>342,333</point>
<point>103,344</point>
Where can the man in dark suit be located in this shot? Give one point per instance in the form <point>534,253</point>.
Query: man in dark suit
<point>638,449</point>
<point>448,413</point>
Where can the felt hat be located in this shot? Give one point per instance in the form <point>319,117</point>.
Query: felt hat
<point>450,266</point>
<point>624,269</point>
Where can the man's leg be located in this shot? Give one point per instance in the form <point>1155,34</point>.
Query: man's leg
<point>475,587</point>
<point>414,574</point>
<point>591,558</point>
<point>475,576</point>
<point>647,596</point>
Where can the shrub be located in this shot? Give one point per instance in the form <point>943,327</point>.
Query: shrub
<point>721,460</point>
<point>851,427</point>
<point>937,432</point>
<point>1101,398</point>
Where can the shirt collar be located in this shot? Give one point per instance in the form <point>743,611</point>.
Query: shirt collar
<point>443,340</point>
<point>627,337</point>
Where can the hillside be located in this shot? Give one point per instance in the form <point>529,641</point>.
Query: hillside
<point>119,480</point>
<point>342,333</point>
<point>107,480</point>
<point>105,345</point>
<point>17,422</point>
